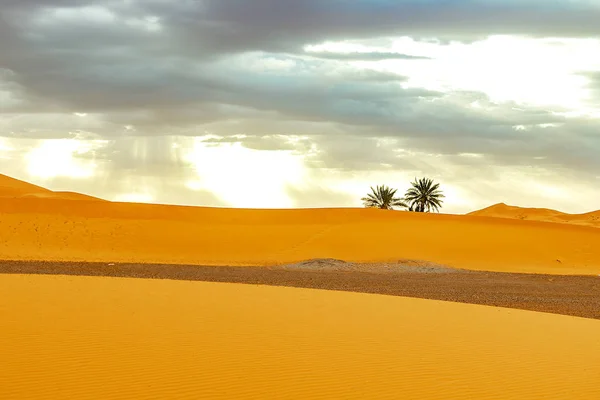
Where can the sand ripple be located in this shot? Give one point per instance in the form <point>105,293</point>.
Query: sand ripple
<point>112,338</point>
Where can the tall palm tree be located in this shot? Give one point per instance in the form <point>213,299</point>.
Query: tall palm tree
<point>383,197</point>
<point>424,196</point>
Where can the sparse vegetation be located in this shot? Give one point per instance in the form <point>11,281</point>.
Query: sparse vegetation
<point>424,195</point>
<point>383,197</point>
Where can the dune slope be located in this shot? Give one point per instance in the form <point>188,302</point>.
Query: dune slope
<point>11,187</point>
<point>106,338</point>
<point>14,188</point>
<point>61,196</point>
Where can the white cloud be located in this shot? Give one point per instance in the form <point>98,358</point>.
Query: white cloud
<point>65,15</point>
<point>527,71</point>
<point>134,198</point>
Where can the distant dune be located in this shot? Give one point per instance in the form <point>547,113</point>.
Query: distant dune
<point>502,210</point>
<point>14,188</point>
<point>10,187</point>
<point>46,226</point>
<point>60,195</point>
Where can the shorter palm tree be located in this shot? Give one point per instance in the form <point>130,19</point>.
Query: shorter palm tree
<point>383,197</point>
<point>424,196</point>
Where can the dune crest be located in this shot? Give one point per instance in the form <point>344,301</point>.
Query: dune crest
<point>60,196</point>
<point>502,210</point>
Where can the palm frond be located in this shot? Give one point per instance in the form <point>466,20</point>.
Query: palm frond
<point>383,197</point>
<point>424,196</point>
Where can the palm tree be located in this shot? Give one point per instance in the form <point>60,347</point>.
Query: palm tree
<point>424,196</point>
<point>383,197</point>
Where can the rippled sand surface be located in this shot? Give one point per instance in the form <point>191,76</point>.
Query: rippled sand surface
<point>65,337</point>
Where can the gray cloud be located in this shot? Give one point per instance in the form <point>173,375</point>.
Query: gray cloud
<point>145,71</point>
<point>314,18</point>
<point>594,86</point>
<point>244,20</point>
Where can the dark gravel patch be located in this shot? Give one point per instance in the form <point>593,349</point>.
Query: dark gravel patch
<point>569,295</point>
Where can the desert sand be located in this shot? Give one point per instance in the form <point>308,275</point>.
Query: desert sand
<point>115,338</point>
<point>94,337</point>
<point>39,225</point>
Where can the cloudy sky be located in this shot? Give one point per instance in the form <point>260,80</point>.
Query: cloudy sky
<point>303,103</point>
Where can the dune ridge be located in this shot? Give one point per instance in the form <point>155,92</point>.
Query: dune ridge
<point>114,338</point>
<point>60,196</point>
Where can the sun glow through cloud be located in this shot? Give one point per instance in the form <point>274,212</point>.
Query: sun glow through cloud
<point>245,177</point>
<point>134,198</point>
<point>54,158</point>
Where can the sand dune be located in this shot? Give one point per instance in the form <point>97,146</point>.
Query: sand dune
<point>55,229</point>
<point>60,196</point>
<point>11,187</point>
<point>539,214</point>
<point>108,338</point>
<point>39,228</point>
<point>14,188</point>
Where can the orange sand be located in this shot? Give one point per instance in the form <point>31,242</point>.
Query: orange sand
<point>60,195</point>
<point>90,230</point>
<point>106,338</point>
